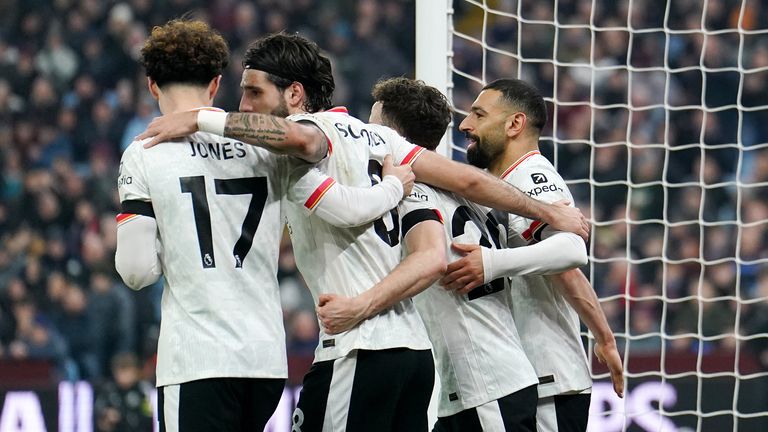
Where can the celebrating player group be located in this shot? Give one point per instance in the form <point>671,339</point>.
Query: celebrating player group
<point>416,263</point>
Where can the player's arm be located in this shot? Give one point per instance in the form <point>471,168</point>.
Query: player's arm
<point>137,258</point>
<point>483,188</point>
<point>275,134</point>
<point>423,265</point>
<point>555,253</point>
<point>579,293</point>
<point>347,206</point>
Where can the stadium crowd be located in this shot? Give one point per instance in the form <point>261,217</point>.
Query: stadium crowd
<point>72,97</point>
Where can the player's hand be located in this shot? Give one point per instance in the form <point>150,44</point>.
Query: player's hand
<point>337,313</point>
<point>563,217</point>
<point>169,126</point>
<point>466,273</point>
<point>404,173</point>
<point>608,355</point>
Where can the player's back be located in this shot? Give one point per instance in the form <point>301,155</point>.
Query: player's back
<point>217,207</point>
<point>477,350</point>
<point>548,325</point>
<point>348,261</point>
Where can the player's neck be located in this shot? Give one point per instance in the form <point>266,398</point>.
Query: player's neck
<point>515,150</point>
<point>182,98</point>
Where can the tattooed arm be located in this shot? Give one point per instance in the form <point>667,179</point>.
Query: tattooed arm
<point>275,134</point>
<point>303,140</point>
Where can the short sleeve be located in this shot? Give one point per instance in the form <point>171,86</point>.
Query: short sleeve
<point>132,181</point>
<point>309,118</point>
<point>540,181</point>
<point>421,205</point>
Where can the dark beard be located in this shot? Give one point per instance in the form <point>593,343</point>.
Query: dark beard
<point>477,157</point>
<point>281,110</point>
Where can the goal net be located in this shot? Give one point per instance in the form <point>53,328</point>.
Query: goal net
<point>659,124</point>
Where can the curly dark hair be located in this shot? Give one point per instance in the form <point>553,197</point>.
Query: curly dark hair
<point>183,51</point>
<point>419,112</point>
<point>289,57</point>
<point>520,95</point>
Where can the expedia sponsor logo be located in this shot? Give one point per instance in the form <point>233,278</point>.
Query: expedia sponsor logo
<point>124,180</point>
<point>419,196</point>
<point>538,178</point>
<point>542,189</point>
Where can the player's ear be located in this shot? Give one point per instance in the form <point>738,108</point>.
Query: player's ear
<point>154,90</point>
<point>515,124</point>
<point>213,87</point>
<point>294,95</point>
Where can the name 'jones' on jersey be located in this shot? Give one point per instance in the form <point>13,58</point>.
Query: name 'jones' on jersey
<point>216,150</point>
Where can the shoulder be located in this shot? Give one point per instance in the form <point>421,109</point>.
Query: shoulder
<point>136,147</point>
<point>134,152</point>
<point>538,178</point>
<point>532,166</point>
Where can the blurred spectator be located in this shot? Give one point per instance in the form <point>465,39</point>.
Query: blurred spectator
<point>123,404</point>
<point>755,321</point>
<point>77,326</point>
<point>703,315</point>
<point>302,334</point>
<point>111,307</point>
<point>35,338</point>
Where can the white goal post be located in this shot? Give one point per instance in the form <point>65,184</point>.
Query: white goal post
<point>659,124</point>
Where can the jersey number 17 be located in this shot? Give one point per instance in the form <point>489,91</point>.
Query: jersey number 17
<point>254,186</point>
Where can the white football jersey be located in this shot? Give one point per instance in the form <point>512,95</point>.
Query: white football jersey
<point>348,261</point>
<point>217,206</point>
<point>548,325</point>
<point>478,353</point>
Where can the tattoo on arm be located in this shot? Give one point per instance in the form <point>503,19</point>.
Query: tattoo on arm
<point>257,129</point>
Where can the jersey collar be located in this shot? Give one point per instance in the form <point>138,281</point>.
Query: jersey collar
<point>339,109</point>
<point>518,162</point>
<point>207,108</point>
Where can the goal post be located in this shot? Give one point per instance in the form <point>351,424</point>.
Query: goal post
<point>433,37</point>
<point>659,125</point>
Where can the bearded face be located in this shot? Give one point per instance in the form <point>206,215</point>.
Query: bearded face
<point>485,130</point>
<point>484,148</point>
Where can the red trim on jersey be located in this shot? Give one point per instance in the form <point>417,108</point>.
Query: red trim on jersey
<point>125,217</point>
<point>535,228</point>
<point>412,155</point>
<point>330,144</point>
<point>439,216</point>
<point>339,109</point>
<point>519,161</point>
<point>318,194</point>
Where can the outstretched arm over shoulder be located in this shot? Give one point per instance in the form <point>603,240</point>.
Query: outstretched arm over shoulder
<point>483,188</point>
<point>275,134</point>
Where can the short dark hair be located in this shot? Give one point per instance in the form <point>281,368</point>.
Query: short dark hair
<point>184,52</point>
<point>419,112</point>
<point>289,57</point>
<point>520,95</point>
